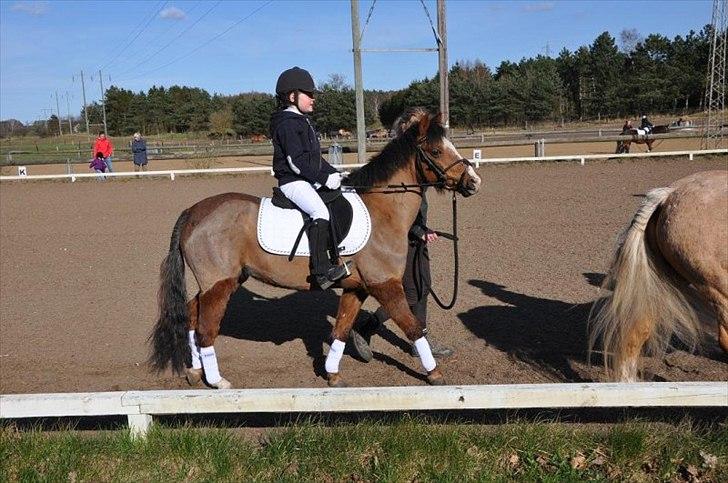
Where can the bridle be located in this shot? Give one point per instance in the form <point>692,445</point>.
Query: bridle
<point>442,180</point>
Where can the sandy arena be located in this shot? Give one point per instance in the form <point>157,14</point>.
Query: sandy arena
<point>79,268</point>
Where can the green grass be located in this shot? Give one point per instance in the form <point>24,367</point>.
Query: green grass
<point>405,449</point>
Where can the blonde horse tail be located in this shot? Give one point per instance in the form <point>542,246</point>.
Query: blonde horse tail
<point>647,304</point>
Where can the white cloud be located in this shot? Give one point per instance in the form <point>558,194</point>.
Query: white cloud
<point>172,13</point>
<point>539,7</point>
<point>35,9</point>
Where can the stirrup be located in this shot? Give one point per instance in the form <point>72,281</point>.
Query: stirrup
<point>333,275</point>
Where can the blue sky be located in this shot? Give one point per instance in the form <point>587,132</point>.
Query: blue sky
<point>44,45</point>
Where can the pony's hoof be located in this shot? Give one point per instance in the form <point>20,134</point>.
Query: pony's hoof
<point>193,376</point>
<point>435,377</point>
<point>223,384</point>
<point>335,380</point>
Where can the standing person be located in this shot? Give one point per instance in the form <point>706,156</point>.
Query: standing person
<point>416,280</point>
<point>103,145</point>
<point>139,149</point>
<point>301,171</point>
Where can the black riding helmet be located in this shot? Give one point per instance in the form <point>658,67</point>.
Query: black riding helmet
<point>294,79</point>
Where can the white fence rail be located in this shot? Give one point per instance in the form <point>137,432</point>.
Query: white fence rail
<point>141,406</point>
<point>582,158</point>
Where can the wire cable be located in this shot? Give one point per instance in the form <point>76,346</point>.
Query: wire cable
<point>135,37</point>
<point>146,59</point>
<point>204,43</point>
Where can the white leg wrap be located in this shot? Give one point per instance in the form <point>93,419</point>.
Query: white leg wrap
<point>423,349</point>
<point>209,363</point>
<point>334,356</point>
<point>194,350</point>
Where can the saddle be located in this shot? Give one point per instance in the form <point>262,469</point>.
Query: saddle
<point>282,225</point>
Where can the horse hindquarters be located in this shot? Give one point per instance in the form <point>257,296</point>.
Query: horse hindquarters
<point>647,304</point>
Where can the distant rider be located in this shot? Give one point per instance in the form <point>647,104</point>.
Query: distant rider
<point>646,125</point>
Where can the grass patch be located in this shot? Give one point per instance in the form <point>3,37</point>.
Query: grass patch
<point>404,449</point>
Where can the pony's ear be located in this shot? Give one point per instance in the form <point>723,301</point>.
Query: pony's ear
<point>437,119</point>
<point>424,126</point>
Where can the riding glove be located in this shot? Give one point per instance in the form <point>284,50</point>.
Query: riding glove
<point>334,181</point>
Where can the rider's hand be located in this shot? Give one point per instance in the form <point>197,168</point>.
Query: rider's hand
<point>430,236</point>
<point>334,181</point>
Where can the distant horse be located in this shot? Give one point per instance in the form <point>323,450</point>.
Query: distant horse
<point>217,239</point>
<point>623,146</point>
<point>258,138</point>
<point>671,261</point>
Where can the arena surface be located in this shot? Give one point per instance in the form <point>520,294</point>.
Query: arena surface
<point>79,267</point>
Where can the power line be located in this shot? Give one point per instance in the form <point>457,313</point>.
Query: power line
<point>204,43</point>
<point>173,39</point>
<point>154,42</point>
<point>135,37</point>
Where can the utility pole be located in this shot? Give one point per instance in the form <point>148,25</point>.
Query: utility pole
<point>715,89</point>
<point>58,112</point>
<point>103,101</point>
<point>442,54</point>
<point>68,109</point>
<point>85,109</point>
<point>361,134</point>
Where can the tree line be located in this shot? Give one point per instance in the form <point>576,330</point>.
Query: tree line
<point>602,80</point>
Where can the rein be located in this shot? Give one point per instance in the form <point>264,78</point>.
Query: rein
<point>456,260</point>
<point>441,182</point>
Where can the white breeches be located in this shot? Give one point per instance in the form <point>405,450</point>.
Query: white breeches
<point>305,196</point>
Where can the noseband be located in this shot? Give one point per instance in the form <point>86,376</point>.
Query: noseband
<point>440,173</point>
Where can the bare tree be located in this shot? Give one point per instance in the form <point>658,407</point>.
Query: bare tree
<point>629,39</point>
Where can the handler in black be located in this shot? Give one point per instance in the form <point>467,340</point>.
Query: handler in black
<point>301,171</point>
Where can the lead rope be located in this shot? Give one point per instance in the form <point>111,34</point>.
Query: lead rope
<point>454,238</point>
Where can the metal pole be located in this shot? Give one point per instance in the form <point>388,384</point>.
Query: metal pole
<point>68,109</point>
<point>103,101</point>
<point>360,125</point>
<point>85,109</point>
<point>442,54</point>
<point>58,111</point>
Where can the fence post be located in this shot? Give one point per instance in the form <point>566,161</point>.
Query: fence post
<point>139,425</point>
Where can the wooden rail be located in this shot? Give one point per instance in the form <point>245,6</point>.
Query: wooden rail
<point>141,406</point>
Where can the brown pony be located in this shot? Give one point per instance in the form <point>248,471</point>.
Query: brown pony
<point>671,260</point>
<point>217,239</point>
<point>623,146</point>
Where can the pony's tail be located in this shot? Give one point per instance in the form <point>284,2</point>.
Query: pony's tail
<point>169,336</point>
<point>646,300</point>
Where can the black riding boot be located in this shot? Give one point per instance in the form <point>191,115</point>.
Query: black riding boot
<point>324,273</point>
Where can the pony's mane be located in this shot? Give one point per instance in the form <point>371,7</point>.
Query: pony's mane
<point>397,153</point>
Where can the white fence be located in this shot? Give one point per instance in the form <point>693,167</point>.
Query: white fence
<point>582,158</point>
<point>141,406</point>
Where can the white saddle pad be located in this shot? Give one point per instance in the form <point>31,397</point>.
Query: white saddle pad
<point>641,132</point>
<point>279,227</point>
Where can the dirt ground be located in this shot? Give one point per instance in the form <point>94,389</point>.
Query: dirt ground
<point>79,268</point>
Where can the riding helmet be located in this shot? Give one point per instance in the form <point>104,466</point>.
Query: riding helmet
<point>294,79</point>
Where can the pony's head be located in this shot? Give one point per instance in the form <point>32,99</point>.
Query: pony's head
<point>419,139</point>
<point>437,160</point>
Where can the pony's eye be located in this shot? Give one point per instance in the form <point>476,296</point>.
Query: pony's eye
<point>435,152</point>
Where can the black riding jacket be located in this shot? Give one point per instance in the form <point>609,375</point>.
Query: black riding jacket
<point>296,150</point>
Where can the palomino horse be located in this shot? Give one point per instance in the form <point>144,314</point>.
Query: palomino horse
<point>217,239</point>
<point>623,146</point>
<point>671,260</point>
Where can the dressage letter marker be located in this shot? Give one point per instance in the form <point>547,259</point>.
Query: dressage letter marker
<point>22,171</point>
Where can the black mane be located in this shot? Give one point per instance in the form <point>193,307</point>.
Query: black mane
<point>395,155</point>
